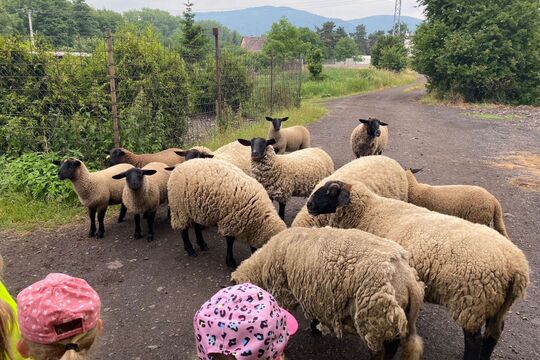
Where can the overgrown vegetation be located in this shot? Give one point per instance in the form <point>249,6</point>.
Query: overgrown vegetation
<point>481,50</point>
<point>389,53</point>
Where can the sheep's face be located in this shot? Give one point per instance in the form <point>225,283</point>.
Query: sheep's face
<point>258,146</point>
<point>373,126</point>
<point>117,156</point>
<point>68,169</point>
<point>134,177</point>
<point>276,122</point>
<point>194,154</point>
<point>328,198</point>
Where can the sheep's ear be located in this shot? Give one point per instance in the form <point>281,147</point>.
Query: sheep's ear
<point>414,171</point>
<point>149,172</point>
<point>364,121</point>
<point>244,142</point>
<point>268,118</point>
<point>285,119</point>
<point>78,163</point>
<point>344,198</point>
<point>270,142</point>
<point>106,152</point>
<point>181,153</point>
<point>207,156</point>
<point>119,176</point>
<point>383,123</point>
<point>57,162</point>
<point>170,168</point>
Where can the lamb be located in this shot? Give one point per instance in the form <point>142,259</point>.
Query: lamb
<point>472,203</point>
<point>380,174</point>
<point>369,138</point>
<point>284,176</point>
<point>213,192</point>
<point>289,139</point>
<point>96,190</point>
<point>144,191</point>
<point>233,153</point>
<point>121,155</point>
<point>471,269</point>
<point>351,281</point>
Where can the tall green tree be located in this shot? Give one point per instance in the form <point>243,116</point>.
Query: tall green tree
<point>85,20</point>
<point>345,48</point>
<point>164,22</point>
<point>195,45</point>
<point>482,50</point>
<point>288,41</point>
<point>360,38</point>
<point>389,53</point>
<point>328,38</point>
<point>108,19</point>
<point>372,39</point>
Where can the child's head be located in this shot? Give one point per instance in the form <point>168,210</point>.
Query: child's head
<point>59,318</point>
<point>242,322</point>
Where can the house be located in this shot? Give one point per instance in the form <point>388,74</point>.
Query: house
<point>253,43</point>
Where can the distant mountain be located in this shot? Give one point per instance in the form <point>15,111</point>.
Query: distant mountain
<point>258,20</point>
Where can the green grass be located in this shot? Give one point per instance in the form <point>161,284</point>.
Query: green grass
<point>338,82</point>
<point>414,87</point>
<point>491,116</point>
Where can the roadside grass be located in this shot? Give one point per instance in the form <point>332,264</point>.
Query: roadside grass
<point>491,116</point>
<point>414,87</point>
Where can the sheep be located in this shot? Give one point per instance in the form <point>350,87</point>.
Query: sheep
<point>95,190</point>
<point>144,193</point>
<point>213,192</point>
<point>233,153</point>
<point>369,138</point>
<point>289,139</point>
<point>380,174</point>
<point>472,203</point>
<point>284,176</point>
<point>471,269</point>
<point>121,155</point>
<point>351,281</point>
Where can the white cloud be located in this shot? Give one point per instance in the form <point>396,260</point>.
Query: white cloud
<point>343,9</point>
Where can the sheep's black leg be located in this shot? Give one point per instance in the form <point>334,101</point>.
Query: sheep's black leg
<point>101,217</point>
<point>253,249</point>
<point>391,348</point>
<point>229,260</point>
<point>137,233</point>
<point>199,236</point>
<point>92,217</point>
<point>169,212</point>
<point>491,337</point>
<point>187,244</point>
<point>150,216</point>
<point>313,327</point>
<point>282,211</point>
<point>473,345</point>
<point>122,215</point>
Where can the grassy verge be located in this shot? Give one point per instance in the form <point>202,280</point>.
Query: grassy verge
<point>341,82</point>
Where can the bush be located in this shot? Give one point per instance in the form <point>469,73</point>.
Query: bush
<point>315,62</point>
<point>389,53</point>
<point>482,50</point>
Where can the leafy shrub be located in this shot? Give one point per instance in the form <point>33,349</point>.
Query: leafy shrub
<point>315,62</point>
<point>389,53</point>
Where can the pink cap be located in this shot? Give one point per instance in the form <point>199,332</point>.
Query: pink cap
<point>56,308</point>
<point>244,321</point>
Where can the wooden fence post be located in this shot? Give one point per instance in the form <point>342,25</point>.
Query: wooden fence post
<point>215,31</point>
<point>272,83</point>
<point>112,85</point>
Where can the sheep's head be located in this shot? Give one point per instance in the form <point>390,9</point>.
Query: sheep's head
<point>68,168</point>
<point>194,154</point>
<point>276,122</point>
<point>373,126</point>
<point>329,197</point>
<point>117,156</point>
<point>134,177</point>
<point>258,146</point>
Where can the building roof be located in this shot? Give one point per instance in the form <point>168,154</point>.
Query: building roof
<point>253,43</point>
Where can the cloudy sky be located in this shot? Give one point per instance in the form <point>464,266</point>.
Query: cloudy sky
<point>343,9</point>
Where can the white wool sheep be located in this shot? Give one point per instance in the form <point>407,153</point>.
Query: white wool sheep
<point>284,176</point>
<point>233,153</point>
<point>288,139</point>
<point>144,191</point>
<point>213,192</point>
<point>96,190</point>
<point>369,138</point>
<point>380,174</point>
<point>121,155</point>
<point>471,269</point>
<point>349,280</point>
<point>472,203</point>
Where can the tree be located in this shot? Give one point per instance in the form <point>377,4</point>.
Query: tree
<point>402,29</point>
<point>389,53</point>
<point>360,38</point>
<point>315,62</point>
<point>345,48</point>
<point>328,38</point>
<point>482,50</point>
<point>108,19</point>
<point>226,35</point>
<point>372,39</point>
<point>195,45</point>
<point>164,22</point>
<point>340,33</point>
<point>85,21</point>
<point>285,40</point>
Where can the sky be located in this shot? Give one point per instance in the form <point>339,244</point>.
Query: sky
<point>342,9</point>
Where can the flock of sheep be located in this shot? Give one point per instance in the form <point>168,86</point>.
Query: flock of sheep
<point>368,248</point>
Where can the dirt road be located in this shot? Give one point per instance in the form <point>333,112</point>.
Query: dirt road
<point>151,291</point>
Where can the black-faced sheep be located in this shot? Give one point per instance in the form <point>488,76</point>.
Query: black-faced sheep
<point>289,139</point>
<point>369,138</point>
<point>121,155</point>
<point>233,153</point>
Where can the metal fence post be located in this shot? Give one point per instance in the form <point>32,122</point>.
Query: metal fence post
<point>272,83</point>
<point>112,85</point>
<point>215,31</point>
<point>300,68</point>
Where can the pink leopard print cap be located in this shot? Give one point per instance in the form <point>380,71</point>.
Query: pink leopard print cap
<point>244,321</point>
<point>56,308</point>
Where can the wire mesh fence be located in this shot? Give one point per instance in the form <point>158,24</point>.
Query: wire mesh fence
<point>159,95</point>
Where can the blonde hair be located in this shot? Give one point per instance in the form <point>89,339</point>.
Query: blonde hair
<point>57,351</point>
<point>6,326</point>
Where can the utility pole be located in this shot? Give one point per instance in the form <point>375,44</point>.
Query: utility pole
<point>30,26</point>
<point>397,18</point>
